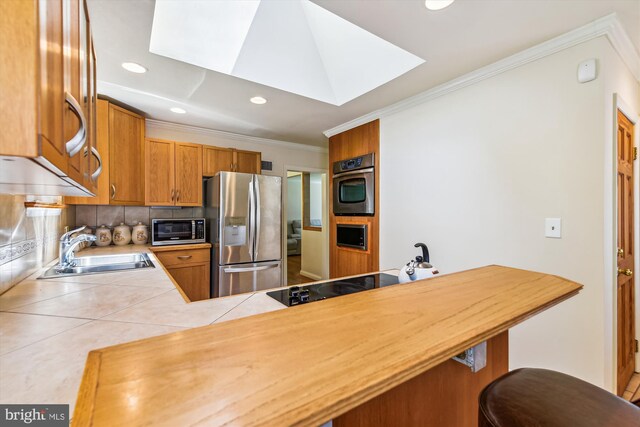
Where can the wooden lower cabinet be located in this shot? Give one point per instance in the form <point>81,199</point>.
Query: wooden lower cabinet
<point>193,279</point>
<point>445,395</point>
<point>190,269</point>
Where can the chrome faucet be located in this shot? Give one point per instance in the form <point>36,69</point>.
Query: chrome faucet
<point>67,245</point>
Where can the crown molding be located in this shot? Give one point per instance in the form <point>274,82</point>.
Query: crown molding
<point>608,26</point>
<point>159,124</point>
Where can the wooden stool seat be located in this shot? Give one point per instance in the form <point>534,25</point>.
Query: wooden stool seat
<point>539,397</point>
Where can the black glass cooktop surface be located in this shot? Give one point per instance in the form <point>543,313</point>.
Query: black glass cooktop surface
<point>294,295</point>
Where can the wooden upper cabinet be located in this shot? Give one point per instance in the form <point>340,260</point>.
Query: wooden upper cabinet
<point>101,131</point>
<point>46,85</point>
<point>216,159</point>
<point>173,173</point>
<point>51,84</point>
<point>247,161</point>
<point>126,156</point>
<point>74,106</point>
<point>188,174</point>
<point>159,173</point>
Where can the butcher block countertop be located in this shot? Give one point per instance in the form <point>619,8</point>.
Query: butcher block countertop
<point>310,363</point>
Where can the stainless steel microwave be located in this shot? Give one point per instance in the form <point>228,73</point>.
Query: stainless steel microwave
<point>177,231</point>
<point>354,186</point>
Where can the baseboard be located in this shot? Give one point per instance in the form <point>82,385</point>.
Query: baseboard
<point>310,275</point>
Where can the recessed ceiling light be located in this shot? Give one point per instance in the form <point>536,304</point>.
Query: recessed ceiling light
<point>437,4</point>
<point>178,110</point>
<point>133,67</point>
<point>258,100</point>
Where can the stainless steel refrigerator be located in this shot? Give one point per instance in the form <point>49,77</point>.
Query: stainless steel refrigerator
<point>244,214</point>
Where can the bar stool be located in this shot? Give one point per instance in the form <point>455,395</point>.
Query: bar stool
<point>538,397</point>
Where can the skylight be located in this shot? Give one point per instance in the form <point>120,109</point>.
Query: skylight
<point>295,46</point>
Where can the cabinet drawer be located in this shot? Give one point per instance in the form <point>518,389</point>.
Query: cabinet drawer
<point>184,256</point>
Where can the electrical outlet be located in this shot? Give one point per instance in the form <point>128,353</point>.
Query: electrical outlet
<point>553,228</point>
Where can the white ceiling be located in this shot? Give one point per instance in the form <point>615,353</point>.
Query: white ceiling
<point>295,46</point>
<point>454,41</point>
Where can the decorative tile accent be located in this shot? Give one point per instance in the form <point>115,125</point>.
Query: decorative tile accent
<point>27,242</point>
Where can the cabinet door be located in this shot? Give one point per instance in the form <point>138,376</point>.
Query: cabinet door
<point>188,174</point>
<point>95,156</point>
<point>75,29</point>
<point>126,157</point>
<point>52,104</point>
<point>216,160</point>
<point>193,280</point>
<point>101,130</point>
<point>159,173</point>
<point>247,161</point>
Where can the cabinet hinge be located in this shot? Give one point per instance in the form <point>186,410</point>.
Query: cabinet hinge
<point>635,153</point>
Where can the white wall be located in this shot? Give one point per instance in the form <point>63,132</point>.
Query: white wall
<point>474,173</point>
<point>294,198</point>
<point>315,244</point>
<point>315,196</point>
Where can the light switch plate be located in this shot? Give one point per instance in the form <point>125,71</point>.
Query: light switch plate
<point>553,228</point>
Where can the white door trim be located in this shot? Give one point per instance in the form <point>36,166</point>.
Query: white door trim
<point>611,262</point>
<point>325,215</point>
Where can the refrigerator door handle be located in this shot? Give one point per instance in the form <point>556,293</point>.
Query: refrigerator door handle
<point>256,186</point>
<point>250,215</point>
<point>249,269</point>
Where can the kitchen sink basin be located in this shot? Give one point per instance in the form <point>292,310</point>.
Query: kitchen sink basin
<point>100,264</point>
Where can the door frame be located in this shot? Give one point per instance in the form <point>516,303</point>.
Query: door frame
<point>325,217</point>
<point>611,261</point>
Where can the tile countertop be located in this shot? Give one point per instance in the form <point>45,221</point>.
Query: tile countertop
<point>47,327</point>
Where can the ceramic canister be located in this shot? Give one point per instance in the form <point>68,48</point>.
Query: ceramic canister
<point>86,244</point>
<point>140,234</point>
<point>122,234</point>
<point>103,235</point>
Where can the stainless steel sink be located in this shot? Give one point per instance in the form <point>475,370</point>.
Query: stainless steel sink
<point>100,264</point>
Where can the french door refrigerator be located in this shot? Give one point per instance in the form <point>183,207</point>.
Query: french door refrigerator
<point>245,228</point>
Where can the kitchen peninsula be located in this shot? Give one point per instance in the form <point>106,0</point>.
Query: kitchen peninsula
<point>328,360</point>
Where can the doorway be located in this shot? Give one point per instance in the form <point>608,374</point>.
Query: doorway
<point>625,292</point>
<point>306,233</point>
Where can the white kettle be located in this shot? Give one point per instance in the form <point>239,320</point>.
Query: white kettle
<point>418,268</point>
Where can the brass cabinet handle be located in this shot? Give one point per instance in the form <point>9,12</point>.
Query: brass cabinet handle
<point>184,256</point>
<point>173,194</point>
<point>620,252</point>
<point>177,195</point>
<point>626,272</point>
<point>113,188</point>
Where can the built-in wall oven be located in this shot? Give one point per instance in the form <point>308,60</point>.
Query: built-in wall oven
<point>354,186</point>
<point>177,231</point>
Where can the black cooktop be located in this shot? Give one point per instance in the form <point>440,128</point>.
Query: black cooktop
<point>294,295</point>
